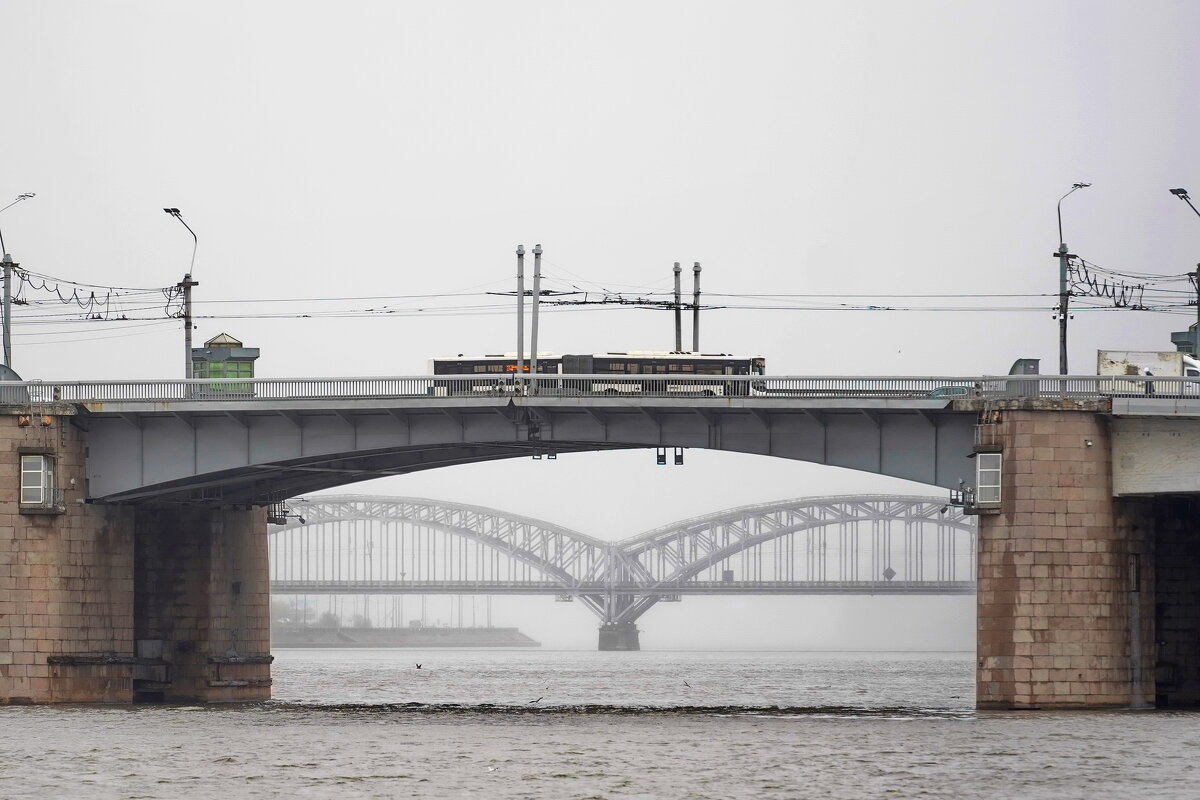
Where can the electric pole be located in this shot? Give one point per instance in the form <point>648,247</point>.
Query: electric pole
<point>1064,257</point>
<point>186,287</point>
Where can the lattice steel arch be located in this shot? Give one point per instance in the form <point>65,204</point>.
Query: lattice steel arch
<point>614,579</point>
<point>562,555</point>
<point>723,534</point>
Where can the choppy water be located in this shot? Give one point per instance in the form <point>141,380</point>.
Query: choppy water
<point>521,724</point>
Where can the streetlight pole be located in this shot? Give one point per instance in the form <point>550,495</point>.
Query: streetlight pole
<point>1182,194</point>
<point>1064,257</point>
<point>186,285</point>
<point>8,268</point>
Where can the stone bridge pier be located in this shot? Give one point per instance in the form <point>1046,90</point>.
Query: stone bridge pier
<point>1089,568</point>
<point>119,604</point>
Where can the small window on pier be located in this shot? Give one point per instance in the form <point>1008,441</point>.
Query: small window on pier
<point>37,482</point>
<point>987,479</point>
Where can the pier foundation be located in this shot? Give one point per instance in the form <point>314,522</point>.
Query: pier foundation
<point>1066,572</point>
<point>109,604</point>
<point>619,636</point>
<point>202,606</point>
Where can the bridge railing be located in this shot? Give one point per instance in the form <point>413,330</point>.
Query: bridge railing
<point>657,386</point>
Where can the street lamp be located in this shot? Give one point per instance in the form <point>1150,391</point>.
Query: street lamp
<point>1063,256</point>
<point>186,285</point>
<point>1182,194</point>
<point>8,268</point>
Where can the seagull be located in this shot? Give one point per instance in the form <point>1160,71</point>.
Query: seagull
<point>531,702</point>
<point>418,666</point>
<point>685,683</point>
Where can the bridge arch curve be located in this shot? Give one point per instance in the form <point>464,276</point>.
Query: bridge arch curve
<point>620,581</point>
<point>546,547</point>
<point>261,451</point>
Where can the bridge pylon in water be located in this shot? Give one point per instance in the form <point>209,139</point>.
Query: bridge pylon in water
<point>619,636</point>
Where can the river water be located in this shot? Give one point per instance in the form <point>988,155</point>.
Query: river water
<point>546,724</point>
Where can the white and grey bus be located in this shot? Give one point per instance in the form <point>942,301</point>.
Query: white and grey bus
<point>638,370</point>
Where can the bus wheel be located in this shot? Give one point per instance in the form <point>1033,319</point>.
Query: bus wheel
<point>610,391</point>
<point>709,393</point>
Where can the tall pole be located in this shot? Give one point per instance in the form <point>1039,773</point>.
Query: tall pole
<point>1195,333</point>
<point>186,286</point>
<point>1064,256</point>
<point>520,313</point>
<point>533,325</point>
<point>8,268</point>
<point>696,309</point>
<point>1182,194</point>
<point>1063,298</point>
<point>678,311</point>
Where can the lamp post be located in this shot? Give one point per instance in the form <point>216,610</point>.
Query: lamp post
<point>1182,194</point>
<point>186,285</point>
<point>1063,256</point>
<point>8,268</point>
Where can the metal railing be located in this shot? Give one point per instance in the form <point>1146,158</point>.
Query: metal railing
<point>628,386</point>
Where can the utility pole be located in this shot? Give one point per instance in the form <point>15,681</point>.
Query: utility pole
<point>1063,298</point>
<point>678,311</point>
<point>186,286</point>
<point>696,309</point>
<point>9,266</point>
<point>520,314</point>
<point>1182,194</point>
<point>1064,256</point>
<point>1195,276</point>
<point>533,326</point>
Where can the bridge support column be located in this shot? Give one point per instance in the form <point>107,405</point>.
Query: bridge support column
<point>1176,593</point>
<point>202,605</point>
<point>66,569</point>
<point>619,636</point>
<point>1065,592</point>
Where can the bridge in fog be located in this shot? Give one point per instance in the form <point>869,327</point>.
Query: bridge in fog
<point>885,544</point>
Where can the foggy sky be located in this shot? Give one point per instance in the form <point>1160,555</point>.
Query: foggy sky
<point>379,149</point>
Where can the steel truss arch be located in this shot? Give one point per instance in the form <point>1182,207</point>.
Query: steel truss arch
<point>620,581</point>
<point>552,549</point>
<point>787,517</point>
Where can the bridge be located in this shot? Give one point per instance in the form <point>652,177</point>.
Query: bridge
<point>136,566</point>
<point>884,545</point>
<point>208,442</point>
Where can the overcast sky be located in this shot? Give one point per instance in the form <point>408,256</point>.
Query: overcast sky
<point>381,150</point>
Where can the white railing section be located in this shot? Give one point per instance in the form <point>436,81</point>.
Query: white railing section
<point>465,386</point>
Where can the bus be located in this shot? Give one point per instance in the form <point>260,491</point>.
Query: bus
<point>639,370</point>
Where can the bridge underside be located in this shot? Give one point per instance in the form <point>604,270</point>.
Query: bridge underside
<point>231,454</point>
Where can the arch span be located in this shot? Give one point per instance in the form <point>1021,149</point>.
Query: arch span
<point>799,546</point>
<point>264,451</point>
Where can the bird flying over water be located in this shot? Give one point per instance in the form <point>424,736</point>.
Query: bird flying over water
<point>418,666</point>
<point>538,700</point>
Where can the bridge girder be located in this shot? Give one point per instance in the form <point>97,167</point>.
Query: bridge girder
<point>198,453</point>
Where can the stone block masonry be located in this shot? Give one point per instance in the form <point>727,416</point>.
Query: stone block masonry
<point>76,626</point>
<point>1065,573</point>
<point>203,603</point>
<point>66,574</point>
